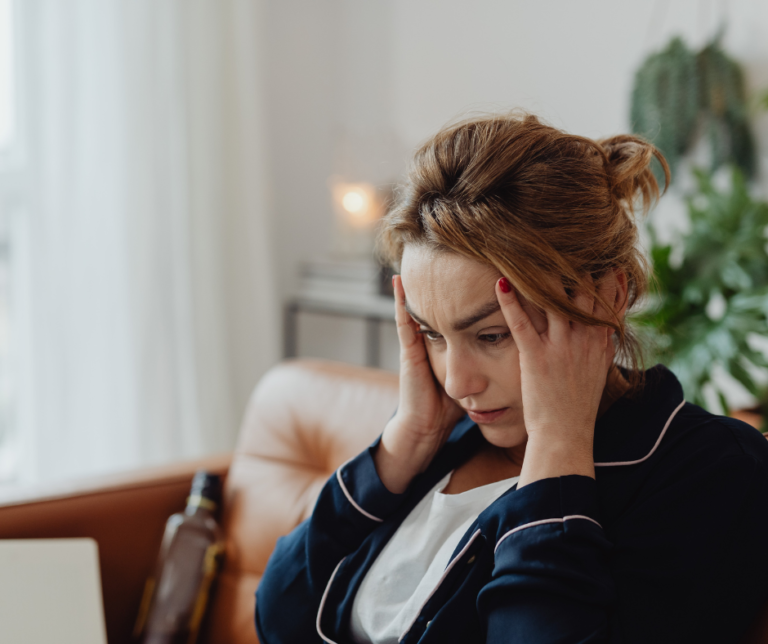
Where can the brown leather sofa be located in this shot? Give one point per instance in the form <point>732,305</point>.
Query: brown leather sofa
<point>304,419</point>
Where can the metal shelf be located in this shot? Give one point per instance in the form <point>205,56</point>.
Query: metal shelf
<point>373,309</point>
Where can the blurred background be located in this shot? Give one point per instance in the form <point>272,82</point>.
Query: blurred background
<point>189,191</point>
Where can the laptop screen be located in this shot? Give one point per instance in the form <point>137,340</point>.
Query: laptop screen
<point>50,591</point>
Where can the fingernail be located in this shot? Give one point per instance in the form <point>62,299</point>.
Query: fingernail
<point>504,285</point>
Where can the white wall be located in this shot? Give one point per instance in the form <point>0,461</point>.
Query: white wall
<point>571,62</point>
<point>354,86</point>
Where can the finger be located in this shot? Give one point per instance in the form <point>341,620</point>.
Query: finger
<point>406,326</point>
<point>585,303</point>
<point>537,315</point>
<point>523,332</point>
<point>607,291</point>
<point>558,324</point>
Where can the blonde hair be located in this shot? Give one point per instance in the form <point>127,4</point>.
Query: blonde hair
<point>536,203</point>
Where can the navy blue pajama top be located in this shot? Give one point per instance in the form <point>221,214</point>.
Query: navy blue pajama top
<point>667,544</point>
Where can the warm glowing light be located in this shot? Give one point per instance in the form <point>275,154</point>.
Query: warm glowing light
<point>356,203</point>
<point>353,202</point>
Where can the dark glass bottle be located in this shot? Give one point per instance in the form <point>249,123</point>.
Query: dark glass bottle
<point>175,598</point>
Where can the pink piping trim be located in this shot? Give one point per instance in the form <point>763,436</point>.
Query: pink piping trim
<point>351,500</point>
<point>543,522</point>
<point>648,455</point>
<point>322,604</point>
<point>440,581</point>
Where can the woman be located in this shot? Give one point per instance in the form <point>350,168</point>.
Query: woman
<point>534,484</point>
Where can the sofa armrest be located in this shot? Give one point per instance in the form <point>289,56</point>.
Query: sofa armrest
<point>124,513</point>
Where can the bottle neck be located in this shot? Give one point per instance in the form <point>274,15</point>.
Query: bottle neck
<point>197,504</point>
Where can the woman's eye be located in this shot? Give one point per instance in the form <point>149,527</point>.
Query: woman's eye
<point>494,338</point>
<point>432,336</point>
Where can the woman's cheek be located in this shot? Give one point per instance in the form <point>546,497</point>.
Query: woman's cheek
<point>504,368</point>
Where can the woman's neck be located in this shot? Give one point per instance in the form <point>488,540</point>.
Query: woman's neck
<point>616,386</point>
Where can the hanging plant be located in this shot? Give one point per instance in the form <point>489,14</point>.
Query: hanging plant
<point>679,96</point>
<point>724,109</point>
<point>665,100</point>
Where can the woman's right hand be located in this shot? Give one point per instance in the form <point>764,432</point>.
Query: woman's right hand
<point>426,414</point>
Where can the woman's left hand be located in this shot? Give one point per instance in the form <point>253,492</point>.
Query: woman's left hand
<point>563,373</point>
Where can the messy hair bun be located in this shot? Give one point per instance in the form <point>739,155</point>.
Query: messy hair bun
<point>628,162</point>
<point>536,203</point>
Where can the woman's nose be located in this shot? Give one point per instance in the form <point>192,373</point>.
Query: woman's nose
<point>463,376</point>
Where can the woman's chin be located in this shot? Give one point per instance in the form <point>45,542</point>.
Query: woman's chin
<point>510,434</point>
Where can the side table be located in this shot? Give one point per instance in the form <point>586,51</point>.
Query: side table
<point>373,309</point>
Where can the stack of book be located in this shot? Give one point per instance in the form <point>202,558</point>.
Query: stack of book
<point>356,283</point>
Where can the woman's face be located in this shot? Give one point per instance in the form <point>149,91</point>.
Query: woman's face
<point>472,353</point>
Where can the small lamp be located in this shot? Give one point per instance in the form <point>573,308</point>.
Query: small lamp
<point>357,207</point>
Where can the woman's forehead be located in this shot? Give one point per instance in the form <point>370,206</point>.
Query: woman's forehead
<point>443,288</point>
<point>430,263</point>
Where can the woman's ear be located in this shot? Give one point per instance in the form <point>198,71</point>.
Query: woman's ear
<point>621,297</point>
<point>613,289</point>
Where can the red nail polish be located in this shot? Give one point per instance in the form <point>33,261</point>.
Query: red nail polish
<point>504,285</point>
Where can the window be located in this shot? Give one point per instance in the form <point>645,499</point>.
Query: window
<point>7,111</point>
<point>9,143</point>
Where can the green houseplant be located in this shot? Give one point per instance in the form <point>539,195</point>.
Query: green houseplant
<point>706,305</point>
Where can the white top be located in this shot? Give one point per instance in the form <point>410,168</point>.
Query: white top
<point>402,578</point>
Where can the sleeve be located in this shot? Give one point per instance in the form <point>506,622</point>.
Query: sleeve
<point>686,559</point>
<point>690,562</point>
<point>551,579</point>
<point>350,506</point>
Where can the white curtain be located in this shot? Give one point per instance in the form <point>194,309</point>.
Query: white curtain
<point>148,307</point>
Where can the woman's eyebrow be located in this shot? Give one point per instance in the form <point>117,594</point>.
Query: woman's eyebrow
<point>416,317</point>
<point>483,312</point>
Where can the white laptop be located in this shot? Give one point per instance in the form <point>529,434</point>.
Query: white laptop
<point>50,592</point>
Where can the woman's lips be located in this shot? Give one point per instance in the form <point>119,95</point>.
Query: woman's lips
<point>486,416</point>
